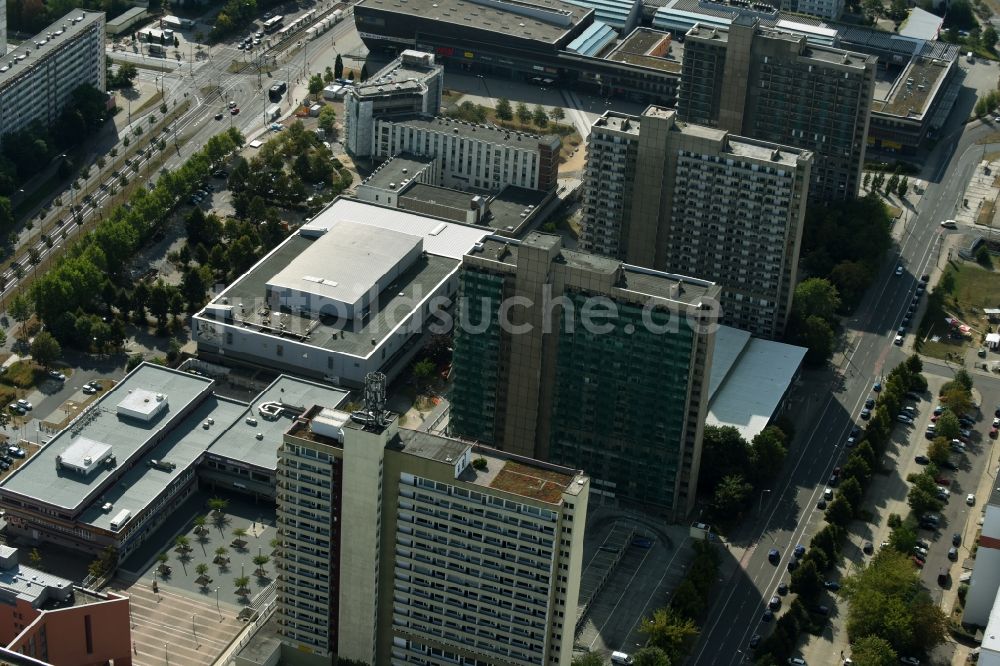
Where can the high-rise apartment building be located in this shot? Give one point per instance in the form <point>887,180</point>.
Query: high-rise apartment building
<point>405,547</point>
<point>625,398</point>
<point>410,84</point>
<point>3,29</point>
<point>699,201</point>
<point>775,86</point>
<point>37,79</point>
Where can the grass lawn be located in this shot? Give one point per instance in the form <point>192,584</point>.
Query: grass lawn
<point>964,290</point>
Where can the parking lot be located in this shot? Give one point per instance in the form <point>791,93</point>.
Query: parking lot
<point>888,495</point>
<point>651,563</point>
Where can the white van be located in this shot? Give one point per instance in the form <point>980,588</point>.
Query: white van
<point>621,658</point>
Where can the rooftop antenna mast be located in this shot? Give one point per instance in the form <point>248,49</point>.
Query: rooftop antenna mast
<point>373,413</point>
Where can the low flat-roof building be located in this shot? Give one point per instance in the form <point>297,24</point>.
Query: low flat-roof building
<point>252,323</point>
<point>750,380</point>
<point>656,49</point>
<point>384,185</point>
<point>126,20</point>
<point>984,587</point>
<point>46,617</point>
<point>116,471</point>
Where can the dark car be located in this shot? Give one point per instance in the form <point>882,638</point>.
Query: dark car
<point>800,550</point>
<point>755,641</point>
<point>782,588</point>
<point>768,616</point>
<point>831,585</point>
<point>773,556</point>
<point>869,403</point>
<point>821,504</point>
<point>866,414</point>
<point>868,548</point>
<point>642,542</point>
<point>775,603</point>
<point>948,464</point>
<point>834,480</point>
<point>953,553</point>
<point>822,610</point>
<point>793,565</point>
<point>921,460</point>
<point>877,386</point>
<point>942,577</point>
<point>218,116</point>
<point>956,539</point>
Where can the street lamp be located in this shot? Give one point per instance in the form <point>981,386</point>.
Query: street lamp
<point>764,493</point>
<point>217,607</point>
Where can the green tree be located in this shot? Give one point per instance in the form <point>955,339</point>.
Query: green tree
<point>873,651</point>
<point>423,370</point>
<point>45,349</point>
<point>806,582</point>
<point>557,113</point>
<point>201,569</point>
<point>503,109</point>
<point>327,119</point>
<point>988,38</point>
<point>315,84</point>
<point>20,310</point>
<point>948,426</point>
<point>904,183</point>
<point>218,504</point>
<point>134,361</point>
<point>650,656</point>
<point>338,67</point>
<point>903,538</point>
<point>851,491</point>
<point>729,451</point>
<point>816,297</point>
<point>35,558</point>
<point>523,113</point>
<point>922,497</point>
<point>539,117</point>
<point>817,336</point>
<point>839,512</point>
<point>858,468</point>
<point>328,76</point>
<point>938,451</point>
<point>767,454</point>
<point>261,561</point>
<point>731,496</point>
<point>241,583</point>
<point>6,212</point>
<point>670,632</point>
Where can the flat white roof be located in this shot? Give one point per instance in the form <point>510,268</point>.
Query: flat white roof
<point>991,635</point>
<point>444,239</point>
<point>753,377</point>
<point>921,24</point>
<point>346,262</point>
<point>142,403</point>
<point>84,454</point>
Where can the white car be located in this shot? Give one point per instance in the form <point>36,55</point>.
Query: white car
<point>970,499</point>
<point>899,270</point>
<point>89,390</point>
<point>24,404</point>
<point>949,224</point>
<point>55,374</point>
<point>898,341</point>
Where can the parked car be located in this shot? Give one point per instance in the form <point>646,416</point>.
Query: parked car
<point>831,585</point>
<point>868,548</point>
<point>910,661</point>
<point>799,550</point>
<point>768,616</point>
<point>24,404</point>
<point>898,341</point>
<point>793,564</point>
<point>921,543</point>
<point>55,374</point>
<point>953,553</point>
<point>866,414</point>
<point>956,539</point>
<point>970,499</point>
<point>782,589</point>
<point>17,452</point>
<point>774,603</point>
<point>870,403</point>
<point>773,556</point>
<point>755,641</point>
<point>877,386</point>
<point>921,460</point>
<point>642,542</point>
<point>899,270</point>
<point>949,224</point>
<point>903,418</point>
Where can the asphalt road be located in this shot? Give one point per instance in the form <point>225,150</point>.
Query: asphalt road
<point>209,85</point>
<point>789,516</point>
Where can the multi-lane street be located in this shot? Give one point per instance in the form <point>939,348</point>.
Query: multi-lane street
<point>207,86</point>
<point>790,515</point>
